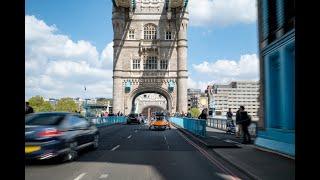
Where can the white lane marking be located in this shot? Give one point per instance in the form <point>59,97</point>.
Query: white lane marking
<point>115,148</point>
<point>135,131</point>
<point>80,176</point>
<point>165,139</point>
<point>129,136</point>
<point>104,176</point>
<point>215,137</point>
<point>230,141</point>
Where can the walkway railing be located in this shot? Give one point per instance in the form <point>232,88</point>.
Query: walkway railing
<point>221,123</point>
<point>195,126</point>
<point>105,121</point>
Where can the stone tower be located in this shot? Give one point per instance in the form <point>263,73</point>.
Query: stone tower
<point>150,52</point>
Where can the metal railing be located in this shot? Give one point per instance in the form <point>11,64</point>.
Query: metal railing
<point>195,126</point>
<point>105,121</point>
<point>221,124</point>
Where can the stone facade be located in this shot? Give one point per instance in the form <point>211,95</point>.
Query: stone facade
<point>150,54</point>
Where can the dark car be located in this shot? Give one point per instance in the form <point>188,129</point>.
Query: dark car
<point>58,135</point>
<point>133,118</point>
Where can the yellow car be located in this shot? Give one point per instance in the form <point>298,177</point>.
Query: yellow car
<point>159,122</point>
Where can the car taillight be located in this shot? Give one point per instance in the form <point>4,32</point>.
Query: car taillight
<point>50,133</point>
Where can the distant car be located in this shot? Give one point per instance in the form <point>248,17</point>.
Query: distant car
<point>133,118</point>
<point>160,122</point>
<point>58,135</point>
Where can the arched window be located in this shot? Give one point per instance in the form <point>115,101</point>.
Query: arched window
<point>150,31</point>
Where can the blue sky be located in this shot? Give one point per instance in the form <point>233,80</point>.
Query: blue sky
<point>220,39</point>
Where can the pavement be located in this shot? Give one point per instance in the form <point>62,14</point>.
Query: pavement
<point>134,152</point>
<point>256,162</point>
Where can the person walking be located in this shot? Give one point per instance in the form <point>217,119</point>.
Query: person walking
<point>238,123</point>
<point>28,109</point>
<point>245,121</point>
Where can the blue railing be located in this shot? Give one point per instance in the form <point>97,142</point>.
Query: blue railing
<point>195,126</point>
<point>105,121</point>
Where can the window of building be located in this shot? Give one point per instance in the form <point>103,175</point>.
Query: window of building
<point>163,64</point>
<point>150,63</point>
<point>131,34</point>
<point>168,35</point>
<point>150,31</point>
<point>136,64</point>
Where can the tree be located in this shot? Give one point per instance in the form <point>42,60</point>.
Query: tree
<point>195,112</point>
<point>39,105</point>
<point>66,104</point>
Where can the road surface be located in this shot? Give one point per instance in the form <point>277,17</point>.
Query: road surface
<point>132,152</point>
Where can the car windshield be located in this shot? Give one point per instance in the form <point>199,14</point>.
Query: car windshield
<point>44,119</point>
<point>160,118</point>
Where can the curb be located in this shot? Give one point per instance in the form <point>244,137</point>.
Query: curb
<point>273,152</point>
<point>252,176</point>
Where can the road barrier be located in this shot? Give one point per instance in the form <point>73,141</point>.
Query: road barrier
<point>221,123</point>
<point>195,126</point>
<point>105,121</point>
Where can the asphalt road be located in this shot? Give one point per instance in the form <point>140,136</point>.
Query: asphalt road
<point>132,152</point>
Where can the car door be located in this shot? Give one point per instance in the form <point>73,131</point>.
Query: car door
<point>75,129</point>
<point>88,133</point>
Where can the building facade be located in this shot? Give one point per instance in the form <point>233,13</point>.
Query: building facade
<point>276,23</point>
<point>150,52</point>
<point>234,95</point>
<point>197,99</point>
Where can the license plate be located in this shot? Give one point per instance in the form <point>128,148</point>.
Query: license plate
<point>30,149</point>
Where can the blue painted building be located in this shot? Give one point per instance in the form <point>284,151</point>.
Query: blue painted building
<point>276,24</point>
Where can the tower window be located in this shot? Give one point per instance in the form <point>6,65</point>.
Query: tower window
<point>136,64</point>
<point>168,35</point>
<point>150,31</point>
<point>163,64</point>
<point>131,34</point>
<point>151,63</point>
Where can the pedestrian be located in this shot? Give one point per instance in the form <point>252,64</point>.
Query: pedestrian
<point>28,109</point>
<point>239,126</point>
<point>204,114</point>
<point>121,114</point>
<point>118,114</point>
<point>229,114</point>
<point>245,121</point>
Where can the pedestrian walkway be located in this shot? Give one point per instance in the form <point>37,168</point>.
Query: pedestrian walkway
<point>254,161</point>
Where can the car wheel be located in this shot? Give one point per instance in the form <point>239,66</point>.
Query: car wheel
<point>72,154</point>
<point>149,127</point>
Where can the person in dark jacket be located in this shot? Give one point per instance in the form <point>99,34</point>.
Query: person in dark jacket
<point>204,114</point>
<point>245,120</point>
<point>28,109</point>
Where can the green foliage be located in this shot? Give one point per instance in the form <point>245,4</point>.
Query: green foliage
<point>103,101</point>
<point>66,105</point>
<point>195,112</point>
<point>39,105</point>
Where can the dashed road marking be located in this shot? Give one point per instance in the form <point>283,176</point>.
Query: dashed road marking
<point>104,176</point>
<point>115,148</point>
<point>230,141</point>
<point>135,131</point>
<point>80,176</point>
<point>129,136</point>
<point>215,137</point>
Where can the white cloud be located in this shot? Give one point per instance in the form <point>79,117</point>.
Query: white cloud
<point>198,84</point>
<point>57,66</point>
<point>222,12</point>
<point>224,71</point>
